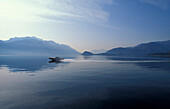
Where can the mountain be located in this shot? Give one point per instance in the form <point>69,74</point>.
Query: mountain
<point>141,49</point>
<point>87,53</point>
<point>98,51</point>
<point>34,46</point>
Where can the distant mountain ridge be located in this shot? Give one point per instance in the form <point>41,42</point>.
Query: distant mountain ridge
<point>97,51</point>
<point>34,46</point>
<point>139,50</point>
<point>142,49</point>
<point>87,53</point>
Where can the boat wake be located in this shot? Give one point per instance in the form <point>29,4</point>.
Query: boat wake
<point>116,61</point>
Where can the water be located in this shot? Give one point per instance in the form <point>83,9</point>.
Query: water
<point>94,82</point>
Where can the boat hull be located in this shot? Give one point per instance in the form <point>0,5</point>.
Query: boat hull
<point>56,59</point>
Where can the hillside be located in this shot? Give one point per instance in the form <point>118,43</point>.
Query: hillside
<point>142,49</point>
<point>87,53</point>
<point>34,46</point>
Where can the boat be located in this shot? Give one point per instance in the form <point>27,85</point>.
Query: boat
<point>56,59</point>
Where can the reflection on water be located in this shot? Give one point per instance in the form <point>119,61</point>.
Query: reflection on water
<point>27,64</point>
<point>94,82</point>
<point>156,65</point>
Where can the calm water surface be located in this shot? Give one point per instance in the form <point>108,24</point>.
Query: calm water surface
<point>94,82</point>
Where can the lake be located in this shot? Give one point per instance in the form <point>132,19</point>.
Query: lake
<point>84,82</point>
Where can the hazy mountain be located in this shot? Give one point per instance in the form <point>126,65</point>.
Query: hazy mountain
<point>87,53</point>
<point>142,49</point>
<point>98,51</point>
<point>34,46</point>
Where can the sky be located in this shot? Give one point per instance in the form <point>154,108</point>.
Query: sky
<point>87,24</point>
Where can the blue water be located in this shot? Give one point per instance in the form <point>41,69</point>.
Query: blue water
<point>92,82</point>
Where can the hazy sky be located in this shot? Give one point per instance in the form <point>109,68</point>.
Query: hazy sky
<point>87,24</point>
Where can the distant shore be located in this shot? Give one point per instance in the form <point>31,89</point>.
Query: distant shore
<point>161,54</point>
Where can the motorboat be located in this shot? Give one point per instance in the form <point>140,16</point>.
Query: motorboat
<point>56,59</point>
